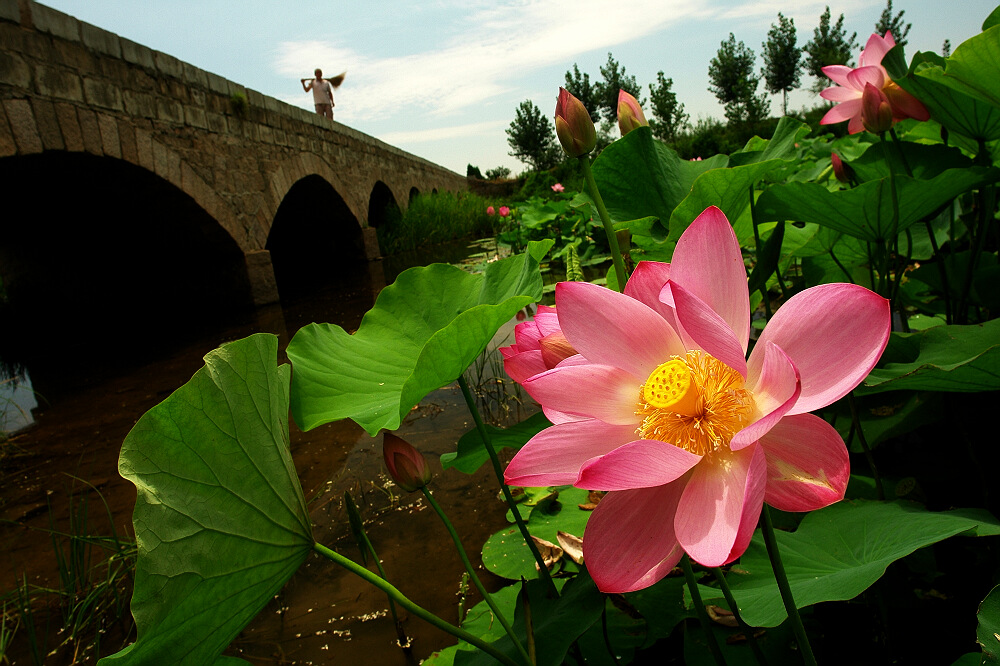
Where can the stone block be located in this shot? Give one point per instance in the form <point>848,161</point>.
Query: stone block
<point>168,65</point>
<point>126,133</point>
<point>110,142</point>
<point>159,159</point>
<point>255,98</point>
<point>194,76</point>
<point>72,56</point>
<point>48,124</point>
<point>139,105</point>
<point>91,131</point>
<point>169,110</point>
<point>54,22</point>
<point>59,83</point>
<point>8,146</point>
<point>103,94</point>
<point>9,11</point>
<point>137,54</point>
<point>173,168</point>
<point>144,148</point>
<point>69,126</point>
<point>266,134</point>
<point>216,123</point>
<point>101,40</point>
<point>14,72</point>
<point>22,124</point>
<point>195,117</point>
<point>217,84</point>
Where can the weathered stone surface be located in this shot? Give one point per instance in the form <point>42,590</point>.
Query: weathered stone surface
<point>7,145</point>
<point>55,23</point>
<point>69,126</point>
<point>126,134</point>
<point>100,40</point>
<point>14,71</point>
<point>22,124</point>
<point>48,124</point>
<point>91,131</point>
<point>169,110</point>
<point>260,272</point>
<point>139,104</point>
<point>137,54</point>
<point>99,92</point>
<point>168,65</point>
<point>53,82</point>
<point>9,11</point>
<point>110,142</point>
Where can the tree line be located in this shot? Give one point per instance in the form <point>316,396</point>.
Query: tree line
<point>733,79</point>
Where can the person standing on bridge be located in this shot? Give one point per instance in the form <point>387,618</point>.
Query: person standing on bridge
<point>322,91</point>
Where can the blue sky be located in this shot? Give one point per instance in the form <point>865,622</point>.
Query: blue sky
<point>442,78</point>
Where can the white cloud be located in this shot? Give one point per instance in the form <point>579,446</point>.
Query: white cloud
<point>491,48</point>
<point>442,133</point>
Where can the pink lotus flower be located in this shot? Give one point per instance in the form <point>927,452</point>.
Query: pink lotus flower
<point>851,87</point>
<point>574,128</point>
<point>630,115</point>
<point>661,408</point>
<point>504,211</point>
<point>490,210</point>
<point>406,465</point>
<point>558,187</point>
<point>539,345</point>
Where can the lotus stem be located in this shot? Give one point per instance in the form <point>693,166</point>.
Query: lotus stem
<point>419,611</point>
<point>747,629</point>
<point>609,230</point>
<point>699,609</point>
<point>786,590</point>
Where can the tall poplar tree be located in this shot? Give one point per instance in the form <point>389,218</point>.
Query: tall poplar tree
<point>532,138</point>
<point>578,85</point>
<point>782,66</point>
<point>668,114</point>
<point>734,82</point>
<point>829,46</point>
<point>894,24</point>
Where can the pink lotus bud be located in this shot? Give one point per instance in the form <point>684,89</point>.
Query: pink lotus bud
<point>630,114</point>
<point>406,465</point>
<point>558,187</point>
<point>490,210</point>
<point>504,211</point>
<point>876,111</point>
<point>574,127</point>
<point>843,172</point>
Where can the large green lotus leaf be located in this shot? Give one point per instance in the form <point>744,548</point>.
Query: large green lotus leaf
<point>865,211</point>
<point>729,189</point>
<point>556,622</point>
<point>220,519</point>
<point>505,554</point>
<point>424,331</point>
<point>974,67</point>
<point>924,160</point>
<point>949,100</point>
<point>472,452</point>
<point>838,552</point>
<point>988,631</point>
<point>942,358</point>
<point>662,604</point>
<point>639,176</point>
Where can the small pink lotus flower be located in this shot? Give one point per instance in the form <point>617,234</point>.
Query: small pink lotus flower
<point>876,112</point>
<point>490,210</point>
<point>574,127</point>
<point>851,87</point>
<point>840,170</point>
<point>558,187</point>
<point>406,465</point>
<point>630,115</point>
<point>661,408</point>
<point>504,211</point>
<point>539,345</point>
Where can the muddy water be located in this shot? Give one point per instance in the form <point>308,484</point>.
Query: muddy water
<point>323,615</point>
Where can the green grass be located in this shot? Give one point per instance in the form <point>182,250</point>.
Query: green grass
<point>437,218</point>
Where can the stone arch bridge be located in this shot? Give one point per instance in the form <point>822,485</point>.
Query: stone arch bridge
<point>101,135</point>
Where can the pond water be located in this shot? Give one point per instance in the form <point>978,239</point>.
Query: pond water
<point>60,473</point>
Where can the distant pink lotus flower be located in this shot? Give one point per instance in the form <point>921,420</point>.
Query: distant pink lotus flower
<point>490,210</point>
<point>558,187</point>
<point>504,211</point>
<point>695,159</point>
<point>661,408</point>
<point>851,86</point>
<point>630,115</point>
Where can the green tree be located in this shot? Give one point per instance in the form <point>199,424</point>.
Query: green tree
<point>782,66</point>
<point>532,138</point>
<point>498,173</point>
<point>894,24</point>
<point>829,46</point>
<point>946,48</point>
<point>668,114</point>
<point>578,85</point>
<point>615,79</point>
<point>734,83</point>
<point>473,172</point>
